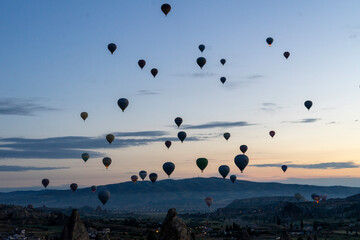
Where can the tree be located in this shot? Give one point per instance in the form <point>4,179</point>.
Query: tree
<point>301,224</point>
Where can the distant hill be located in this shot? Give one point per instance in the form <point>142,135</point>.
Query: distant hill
<point>184,194</point>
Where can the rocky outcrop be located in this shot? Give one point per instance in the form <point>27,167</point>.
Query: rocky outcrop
<point>74,229</point>
<point>174,228</point>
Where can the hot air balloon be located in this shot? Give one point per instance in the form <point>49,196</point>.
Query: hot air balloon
<point>85,156</point>
<point>227,136</point>
<point>243,148</point>
<point>323,197</point>
<point>112,47</point>
<point>123,103</point>
<point>286,55</point>
<point>202,163</point>
<point>178,121</point>
<point>134,178</point>
<point>168,167</point>
<point>224,170</point>
<point>315,197</point>
<point>269,41</point>
<point>241,161</point>
<point>168,144</point>
<point>298,196</point>
<point>153,177</point>
<point>104,196</point>
<point>165,8</point>
<point>143,174</point>
<point>272,133</point>
<point>141,63</point>
<point>110,138</point>
<point>202,47</point>
<point>208,201</point>
<point>93,188</point>
<point>154,72</point>
<point>233,178</point>
<point>45,182</point>
<point>223,61</point>
<point>84,115</point>
<point>107,161</point>
<point>284,168</point>
<point>182,136</point>
<point>201,61</point>
<point>73,187</point>
<point>308,104</point>
<point>223,80</point>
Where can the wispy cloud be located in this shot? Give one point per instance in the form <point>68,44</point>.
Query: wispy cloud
<point>305,120</point>
<point>270,107</point>
<point>254,76</point>
<point>10,168</point>
<point>16,106</point>
<point>218,124</point>
<point>196,75</point>
<point>148,92</point>
<point>327,165</point>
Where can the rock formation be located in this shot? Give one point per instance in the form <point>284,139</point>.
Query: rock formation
<point>74,229</point>
<point>174,228</point>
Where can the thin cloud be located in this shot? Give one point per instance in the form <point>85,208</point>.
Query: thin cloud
<point>10,168</point>
<point>196,75</point>
<point>305,120</point>
<point>148,92</point>
<point>16,106</point>
<point>327,165</point>
<point>254,76</point>
<point>218,124</point>
<point>270,107</point>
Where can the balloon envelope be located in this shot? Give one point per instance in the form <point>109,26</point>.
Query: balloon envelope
<point>45,182</point>
<point>223,80</point>
<point>227,136</point>
<point>168,168</point>
<point>233,178</point>
<point>165,8</point>
<point>168,144</point>
<point>308,104</point>
<point>141,63</point>
<point>223,61</point>
<point>208,201</point>
<point>142,174</point>
<point>201,47</point>
<point>107,161</point>
<point>123,103</point>
<point>269,41</point>
<point>224,170</point>
<point>182,136</point>
<point>73,187</point>
<point>202,163</point>
<point>178,121</point>
<point>201,61</point>
<point>112,47</point>
<point>243,148</point>
<point>153,177</point>
<point>284,168</point>
<point>241,161</point>
<point>93,188</point>
<point>134,178</point>
<point>286,55</point>
<point>154,72</point>
<point>84,115</point>
<point>272,133</point>
<point>104,196</point>
<point>85,156</point>
<point>110,138</point>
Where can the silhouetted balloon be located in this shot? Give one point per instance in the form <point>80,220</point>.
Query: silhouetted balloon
<point>168,167</point>
<point>284,168</point>
<point>315,197</point>
<point>143,174</point>
<point>286,55</point>
<point>110,138</point>
<point>93,188</point>
<point>233,178</point>
<point>323,197</point>
<point>84,115</point>
<point>201,61</point>
<point>73,187</point>
<point>241,161</point>
<point>153,177</point>
<point>85,156</point>
<point>165,8</point>
<point>182,136</point>
<point>269,41</point>
<point>168,144</point>
<point>202,163</point>
<point>243,148</point>
<point>154,72</point>
<point>178,121</point>
<point>104,196</point>
<point>224,170</point>
<point>308,104</point>
<point>223,61</point>
<point>223,80</point>
<point>134,178</point>
<point>227,136</point>
<point>208,201</point>
<point>123,103</point>
<point>107,161</point>
<point>45,182</point>
<point>272,133</point>
<point>202,47</point>
<point>112,47</point>
<point>141,63</point>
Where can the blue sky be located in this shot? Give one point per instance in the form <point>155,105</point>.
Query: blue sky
<point>55,64</point>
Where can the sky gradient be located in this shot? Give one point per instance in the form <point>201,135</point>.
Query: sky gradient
<point>55,64</point>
